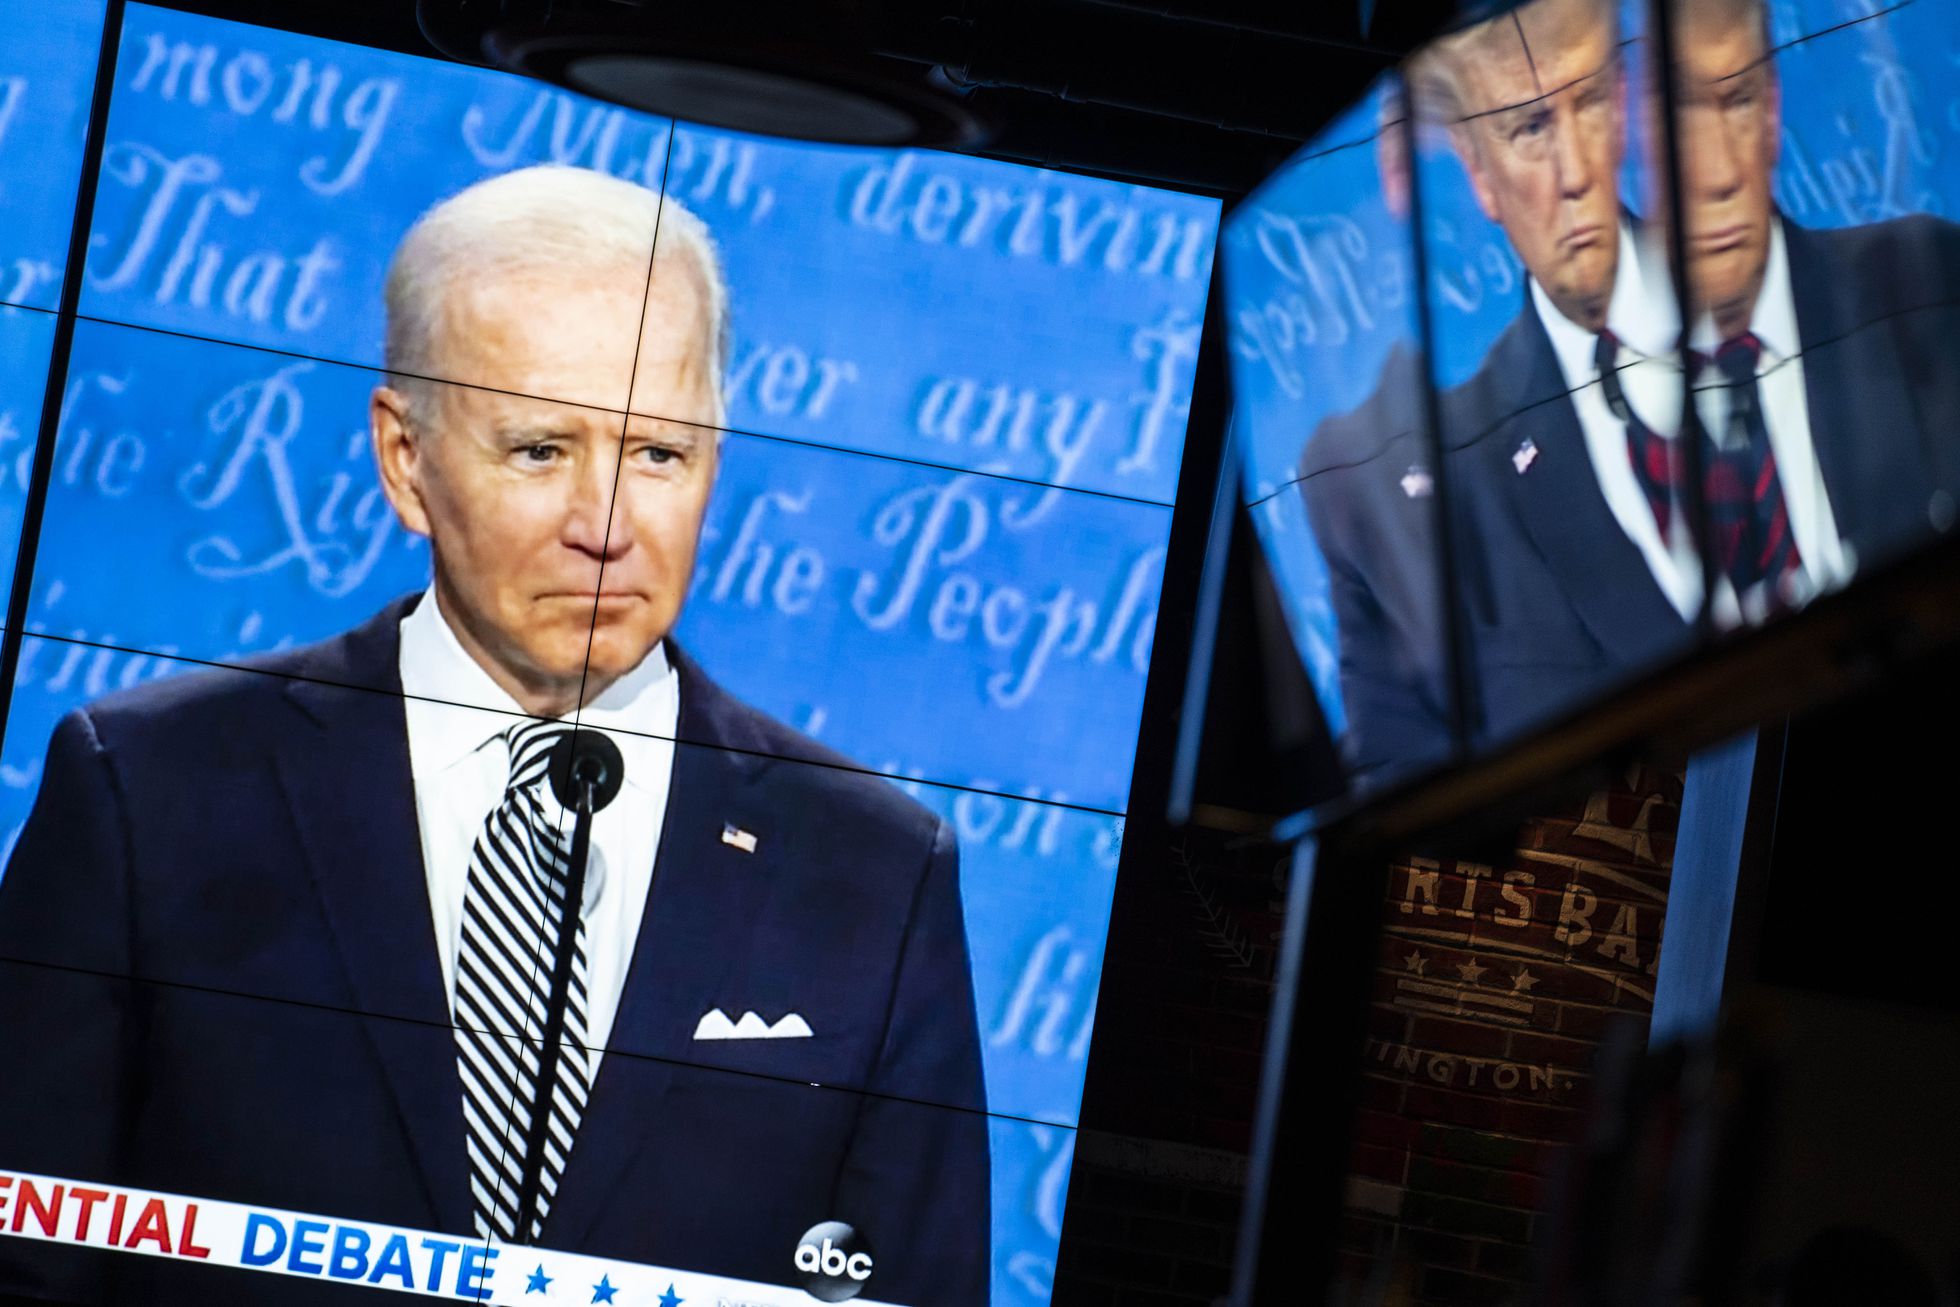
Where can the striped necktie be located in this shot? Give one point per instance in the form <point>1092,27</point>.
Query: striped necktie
<point>512,906</point>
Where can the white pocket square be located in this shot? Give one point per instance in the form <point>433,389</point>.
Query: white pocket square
<point>714,1024</point>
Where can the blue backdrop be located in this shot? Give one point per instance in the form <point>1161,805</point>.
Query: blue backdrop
<point>1318,266</point>
<point>957,397</point>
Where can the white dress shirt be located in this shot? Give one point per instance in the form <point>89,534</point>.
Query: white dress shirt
<point>1641,314</point>
<point>1643,317</point>
<point>460,770</point>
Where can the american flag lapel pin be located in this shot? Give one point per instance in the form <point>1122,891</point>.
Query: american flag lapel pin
<point>736,837</point>
<point>1526,455</point>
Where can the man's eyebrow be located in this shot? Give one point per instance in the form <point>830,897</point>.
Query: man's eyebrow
<point>528,428</point>
<point>672,430</point>
<point>1605,64</point>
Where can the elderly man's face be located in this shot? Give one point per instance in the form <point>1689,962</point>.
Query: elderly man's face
<point>1729,129</point>
<point>1545,131</point>
<point>560,523</point>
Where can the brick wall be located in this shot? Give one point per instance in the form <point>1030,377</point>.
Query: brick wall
<point>1493,989</point>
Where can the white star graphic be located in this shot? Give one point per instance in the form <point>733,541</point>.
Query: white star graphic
<point>1523,981</point>
<point>1471,970</point>
<point>1415,962</point>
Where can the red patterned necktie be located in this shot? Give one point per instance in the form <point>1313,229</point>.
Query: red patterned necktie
<point>1651,453</point>
<point>1750,523</point>
<point>1747,516</point>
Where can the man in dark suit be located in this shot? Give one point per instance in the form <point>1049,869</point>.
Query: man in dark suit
<point>277,934</point>
<point>1821,377</point>
<point>1370,503</point>
<point>1534,104</point>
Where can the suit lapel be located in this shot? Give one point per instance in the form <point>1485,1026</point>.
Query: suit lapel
<point>1863,423</point>
<point>346,778</point>
<point>678,971</point>
<point>1557,497</point>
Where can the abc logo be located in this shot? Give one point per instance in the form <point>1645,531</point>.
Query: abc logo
<point>834,1260</point>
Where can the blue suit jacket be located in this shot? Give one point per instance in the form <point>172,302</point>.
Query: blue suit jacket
<point>1557,604</point>
<point>220,979</point>
<point>1560,604</point>
<point>1376,530</point>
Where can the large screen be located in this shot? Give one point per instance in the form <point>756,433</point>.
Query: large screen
<point>416,417</point>
<point>1499,470</point>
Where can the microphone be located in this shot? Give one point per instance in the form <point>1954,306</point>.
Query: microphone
<point>586,771</point>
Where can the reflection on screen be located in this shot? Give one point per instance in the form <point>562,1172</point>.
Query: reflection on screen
<point>895,434</point>
<point>1621,479</point>
<point>1326,326</point>
<point>46,73</point>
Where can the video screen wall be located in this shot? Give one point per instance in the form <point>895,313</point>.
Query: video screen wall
<point>1568,481</point>
<point>414,413</point>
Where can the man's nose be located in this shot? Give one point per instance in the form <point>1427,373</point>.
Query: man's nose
<point>1569,157</point>
<point>1714,164</point>
<point>593,524</point>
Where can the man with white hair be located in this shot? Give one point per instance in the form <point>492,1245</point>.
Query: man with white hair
<point>1533,100</point>
<point>1547,439</point>
<point>285,935</point>
<point>1820,362</point>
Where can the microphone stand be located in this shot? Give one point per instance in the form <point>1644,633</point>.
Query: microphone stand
<point>588,766</point>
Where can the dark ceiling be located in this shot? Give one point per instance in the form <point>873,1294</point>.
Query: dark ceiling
<point>1208,95</point>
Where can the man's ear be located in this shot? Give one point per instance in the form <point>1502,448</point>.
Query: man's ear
<point>397,457</point>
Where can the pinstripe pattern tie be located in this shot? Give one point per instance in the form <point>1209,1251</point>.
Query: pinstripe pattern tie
<point>512,906</point>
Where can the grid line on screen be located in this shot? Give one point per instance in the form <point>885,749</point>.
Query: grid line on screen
<point>1062,805</point>
<point>634,1055</point>
<point>42,471</point>
<point>773,437</point>
<point>1807,37</point>
<point>1081,545</point>
<point>1807,348</point>
<point>858,307</point>
<point>1255,500</point>
<point>529,1204</point>
<point>1126,524</point>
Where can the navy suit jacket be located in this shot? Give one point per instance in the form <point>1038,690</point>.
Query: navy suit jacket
<point>1376,530</point>
<point>1561,605</point>
<point>218,977</point>
<point>1557,603</point>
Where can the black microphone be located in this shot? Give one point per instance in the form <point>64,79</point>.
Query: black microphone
<point>586,772</point>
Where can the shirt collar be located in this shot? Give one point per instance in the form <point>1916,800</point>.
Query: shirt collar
<point>1773,321</point>
<point>1640,313</point>
<point>459,708</point>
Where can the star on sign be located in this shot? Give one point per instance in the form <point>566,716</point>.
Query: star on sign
<point>604,1290</point>
<point>1415,962</point>
<point>1470,970</point>
<point>670,1298</point>
<point>1523,981</point>
<point>538,1280</point>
